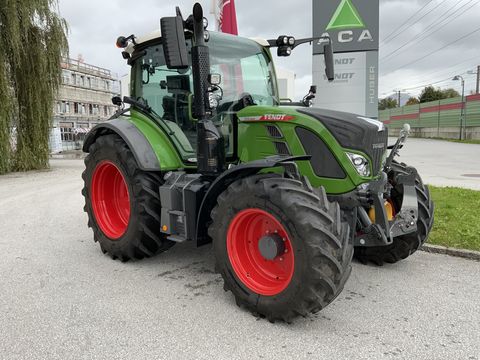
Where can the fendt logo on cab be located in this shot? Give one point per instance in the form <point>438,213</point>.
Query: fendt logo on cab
<point>268,117</point>
<point>276,117</point>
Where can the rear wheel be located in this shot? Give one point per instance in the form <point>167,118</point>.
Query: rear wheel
<point>405,245</point>
<point>282,250</point>
<point>122,201</point>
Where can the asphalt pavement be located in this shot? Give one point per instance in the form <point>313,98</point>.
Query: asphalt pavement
<point>443,163</point>
<point>61,298</point>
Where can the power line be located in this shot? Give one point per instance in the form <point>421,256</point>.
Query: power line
<point>444,80</point>
<point>437,50</point>
<point>406,21</point>
<point>449,79</point>
<point>443,72</point>
<point>434,28</point>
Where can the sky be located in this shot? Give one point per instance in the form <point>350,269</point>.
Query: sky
<point>438,39</point>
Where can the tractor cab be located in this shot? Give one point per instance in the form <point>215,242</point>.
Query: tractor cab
<point>246,75</point>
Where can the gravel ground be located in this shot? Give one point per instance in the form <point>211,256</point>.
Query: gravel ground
<point>61,298</point>
<point>443,163</point>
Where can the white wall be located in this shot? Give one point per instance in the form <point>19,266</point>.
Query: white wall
<point>286,83</point>
<point>125,81</point>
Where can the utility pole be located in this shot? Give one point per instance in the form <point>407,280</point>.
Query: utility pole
<point>398,96</point>
<point>462,114</point>
<point>478,80</point>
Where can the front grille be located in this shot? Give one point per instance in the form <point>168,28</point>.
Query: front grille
<point>378,148</point>
<point>274,131</point>
<point>282,148</point>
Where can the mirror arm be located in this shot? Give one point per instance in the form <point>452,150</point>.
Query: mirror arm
<point>273,42</point>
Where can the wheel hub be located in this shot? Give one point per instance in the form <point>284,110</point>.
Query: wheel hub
<point>110,199</point>
<point>271,246</point>
<point>260,251</point>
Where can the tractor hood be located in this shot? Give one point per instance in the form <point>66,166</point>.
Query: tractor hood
<point>354,132</point>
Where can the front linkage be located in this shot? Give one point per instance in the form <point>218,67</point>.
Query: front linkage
<point>392,217</point>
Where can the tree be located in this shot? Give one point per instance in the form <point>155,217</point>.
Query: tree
<point>387,103</point>
<point>412,101</point>
<point>432,94</point>
<point>32,42</point>
<point>450,93</point>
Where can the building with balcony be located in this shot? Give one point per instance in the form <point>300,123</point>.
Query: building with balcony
<point>84,100</point>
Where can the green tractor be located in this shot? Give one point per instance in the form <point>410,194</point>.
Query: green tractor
<point>207,152</point>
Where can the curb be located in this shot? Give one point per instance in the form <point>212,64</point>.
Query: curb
<point>462,253</point>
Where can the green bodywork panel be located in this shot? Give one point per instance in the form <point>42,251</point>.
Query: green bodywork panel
<point>254,143</point>
<point>167,142</point>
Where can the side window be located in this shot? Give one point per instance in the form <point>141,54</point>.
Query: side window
<point>168,92</point>
<point>257,79</point>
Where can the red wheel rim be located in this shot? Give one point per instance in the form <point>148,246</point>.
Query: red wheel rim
<point>110,199</point>
<point>265,277</point>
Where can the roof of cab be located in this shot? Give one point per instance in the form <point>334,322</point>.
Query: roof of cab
<point>157,34</point>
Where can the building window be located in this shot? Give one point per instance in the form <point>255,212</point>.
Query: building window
<point>74,79</point>
<point>67,107</point>
<point>89,82</point>
<point>75,108</point>
<point>66,77</point>
<point>83,109</point>
<point>90,109</point>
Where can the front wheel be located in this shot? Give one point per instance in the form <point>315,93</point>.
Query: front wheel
<point>405,245</point>
<point>281,249</point>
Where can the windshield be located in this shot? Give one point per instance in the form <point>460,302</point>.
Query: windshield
<point>244,66</point>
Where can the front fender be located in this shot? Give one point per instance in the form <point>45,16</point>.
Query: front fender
<point>225,179</point>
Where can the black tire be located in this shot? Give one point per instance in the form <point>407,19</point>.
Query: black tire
<point>405,245</point>
<point>321,244</point>
<point>142,237</point>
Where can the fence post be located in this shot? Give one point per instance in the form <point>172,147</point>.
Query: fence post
<point>465,116</point>
<point>438,126</point>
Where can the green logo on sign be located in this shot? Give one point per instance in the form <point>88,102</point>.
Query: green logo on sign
<point>346,17</point>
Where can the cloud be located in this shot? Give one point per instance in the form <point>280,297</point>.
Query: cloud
<point>95,25</point>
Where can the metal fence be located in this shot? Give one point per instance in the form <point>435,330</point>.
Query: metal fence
<point>68,135</point>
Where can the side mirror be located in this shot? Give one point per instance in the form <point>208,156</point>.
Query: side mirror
<point>174,45</point>
<point>117,101</point>
<point>329,65</point>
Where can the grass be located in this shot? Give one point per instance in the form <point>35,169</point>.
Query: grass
<point>456,218</point>
<point>468,141</point>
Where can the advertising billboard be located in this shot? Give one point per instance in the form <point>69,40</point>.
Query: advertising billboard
<point>353,26</point>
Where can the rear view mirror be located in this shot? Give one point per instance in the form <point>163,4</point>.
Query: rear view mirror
<point>117,100</point>
<point>174,45</point>
<point>328,56</point>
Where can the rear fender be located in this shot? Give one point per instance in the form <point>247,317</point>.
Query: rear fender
<point>141,147</point>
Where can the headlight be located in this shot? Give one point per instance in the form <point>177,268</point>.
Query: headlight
<point>360,163</point>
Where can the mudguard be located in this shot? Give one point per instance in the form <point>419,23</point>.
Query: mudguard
<point>142,150</point>
<point>229,176</point>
